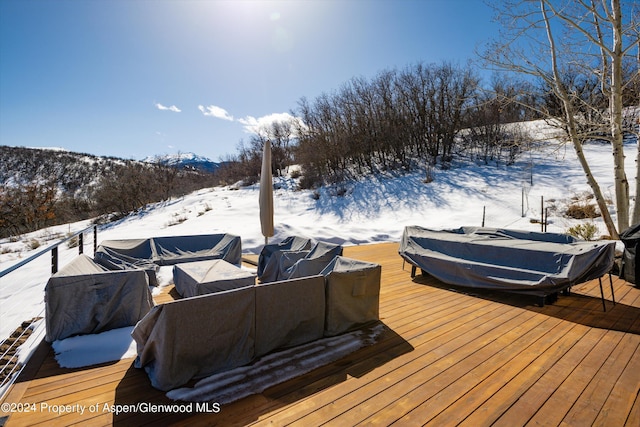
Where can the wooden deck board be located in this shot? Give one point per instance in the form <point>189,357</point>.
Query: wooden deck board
<point>448,357</point>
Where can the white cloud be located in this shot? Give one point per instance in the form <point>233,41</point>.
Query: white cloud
<point>252,125</point>
<point>214,111</point>
<point>165,108</point>
<point>261,124</point>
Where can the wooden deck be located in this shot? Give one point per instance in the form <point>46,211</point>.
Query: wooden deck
<point>447,358</point>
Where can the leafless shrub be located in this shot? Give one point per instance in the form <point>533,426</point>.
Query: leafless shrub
<point>582,211</point>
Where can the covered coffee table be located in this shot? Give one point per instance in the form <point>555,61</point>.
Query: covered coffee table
<point>205,277</point>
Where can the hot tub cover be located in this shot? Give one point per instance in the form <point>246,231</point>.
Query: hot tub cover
<point>513,260</point>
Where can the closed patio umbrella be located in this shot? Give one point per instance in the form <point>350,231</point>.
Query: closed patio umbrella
<point>266,194</point>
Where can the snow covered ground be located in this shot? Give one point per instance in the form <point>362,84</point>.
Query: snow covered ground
<point>372,209</point>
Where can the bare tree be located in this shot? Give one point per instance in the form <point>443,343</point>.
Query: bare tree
<point>368,125</point>
<point>282,134</point>
<point>492,123</point>
<point>550,40</point>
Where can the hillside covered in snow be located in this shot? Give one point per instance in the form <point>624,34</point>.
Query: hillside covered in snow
<point>370,209</point>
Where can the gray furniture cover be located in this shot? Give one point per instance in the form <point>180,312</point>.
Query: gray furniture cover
<point>196,337</point>
<point>287,260</point>
<point>289,313</point>
<point>85,298</point>
<point>353,294</point>
<point>269,260</point>
<point>315,261</point>
<point>630,263</point>
<point>511,260</point>
<point>205,277</point>
<point>149,254</point>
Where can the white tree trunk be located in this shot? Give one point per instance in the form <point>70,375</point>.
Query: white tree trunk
<point>582,25</point>
<point>615,111</point>
<point>570,118</point>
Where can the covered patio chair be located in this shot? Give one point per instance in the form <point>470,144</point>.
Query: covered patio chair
<point>315,261</point>
<point>269,261</point>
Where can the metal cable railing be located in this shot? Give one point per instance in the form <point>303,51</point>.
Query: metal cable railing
<point>12,362</point>
<point>54,251</point>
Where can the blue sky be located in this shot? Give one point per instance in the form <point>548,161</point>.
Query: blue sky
<point>133,78</point>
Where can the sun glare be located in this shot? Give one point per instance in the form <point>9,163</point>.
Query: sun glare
<point>274,16</point>
<point>262,21</point>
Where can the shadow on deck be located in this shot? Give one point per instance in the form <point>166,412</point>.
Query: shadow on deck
<point>136,384</point>
<point>583,305</point>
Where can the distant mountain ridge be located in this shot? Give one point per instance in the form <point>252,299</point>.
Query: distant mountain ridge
<point>74,171</point>
<point>78,173</point>
<point>185,161</point>
<point>42,186</point>
<point>71,171</point>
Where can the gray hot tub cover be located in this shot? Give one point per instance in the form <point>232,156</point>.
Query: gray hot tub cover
<point>84,298</point>
<point>503,259</point>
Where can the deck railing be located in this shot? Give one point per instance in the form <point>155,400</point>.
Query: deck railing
<point>10,365</point>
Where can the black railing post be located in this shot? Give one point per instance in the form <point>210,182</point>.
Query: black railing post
<point>546,219</point>
<point>54,260</point>
<point>95,239</point>
<point>542,213</point>
<point>80,243</point>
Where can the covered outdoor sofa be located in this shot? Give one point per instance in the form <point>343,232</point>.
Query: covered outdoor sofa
<point>202,335</point>
<point>85,298</point>
<point>507,260</point>
<point>150,254</point>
